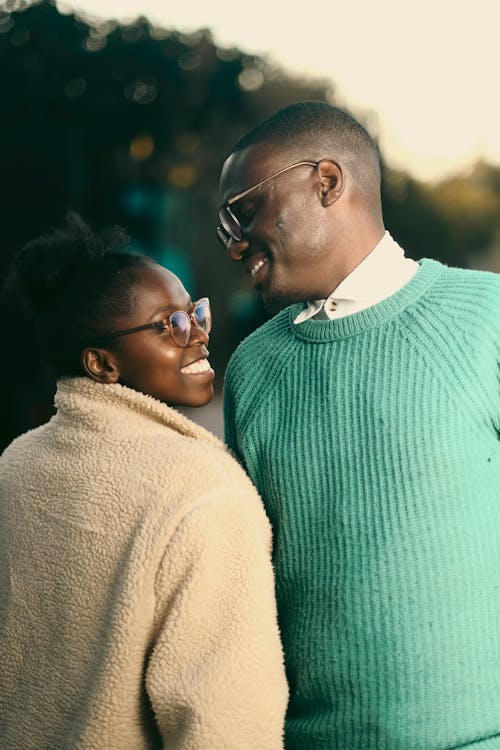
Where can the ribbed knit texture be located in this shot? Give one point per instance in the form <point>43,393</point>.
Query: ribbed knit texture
<point>374,441</point>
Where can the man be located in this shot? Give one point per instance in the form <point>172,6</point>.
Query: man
<point>367,413</point>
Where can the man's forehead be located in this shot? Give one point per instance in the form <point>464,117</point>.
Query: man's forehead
<point>247,167</point>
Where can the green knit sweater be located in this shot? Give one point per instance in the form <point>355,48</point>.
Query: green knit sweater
<point>374,441</point>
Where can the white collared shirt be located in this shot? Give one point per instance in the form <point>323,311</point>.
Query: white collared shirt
<point>382,273</point>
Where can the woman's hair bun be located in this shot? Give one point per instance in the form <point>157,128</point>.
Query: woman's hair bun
<point>43,267</point>
<point>69,286</point>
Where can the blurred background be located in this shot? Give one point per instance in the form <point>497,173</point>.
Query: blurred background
<point>128,119</point>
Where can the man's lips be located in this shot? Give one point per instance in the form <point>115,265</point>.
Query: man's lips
<point>255,263</point>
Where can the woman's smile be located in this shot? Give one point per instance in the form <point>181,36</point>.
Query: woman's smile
<point>200,366</point>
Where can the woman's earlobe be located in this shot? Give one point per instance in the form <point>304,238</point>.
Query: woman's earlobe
<point>100,365</point>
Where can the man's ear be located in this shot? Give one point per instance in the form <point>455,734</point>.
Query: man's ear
<point>331,181</point>
<point>100,365</point>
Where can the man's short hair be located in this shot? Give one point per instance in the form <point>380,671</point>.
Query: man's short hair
<point>315,130</point>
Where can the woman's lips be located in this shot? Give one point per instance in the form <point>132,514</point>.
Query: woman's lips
<point>199,367</point>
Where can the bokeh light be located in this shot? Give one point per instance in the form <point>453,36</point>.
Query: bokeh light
<point>141,147</point>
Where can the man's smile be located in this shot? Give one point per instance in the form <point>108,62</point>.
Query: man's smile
<point>255,264</point>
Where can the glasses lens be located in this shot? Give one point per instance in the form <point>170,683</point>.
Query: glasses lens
<point>230,223</point>
<point>222,235</point>
<point>180,328</point>
<point>202,315</point>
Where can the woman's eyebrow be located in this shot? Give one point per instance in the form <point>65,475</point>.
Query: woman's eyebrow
<point>188,306</point>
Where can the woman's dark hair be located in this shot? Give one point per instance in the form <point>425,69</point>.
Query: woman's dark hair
<point>69,286</point>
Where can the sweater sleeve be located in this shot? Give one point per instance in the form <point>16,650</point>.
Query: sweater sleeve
<point>215,676</point>
<point>230,417</point>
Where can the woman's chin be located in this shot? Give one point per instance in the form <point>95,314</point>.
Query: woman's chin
<point>203,397</point>
<point>203,400</point>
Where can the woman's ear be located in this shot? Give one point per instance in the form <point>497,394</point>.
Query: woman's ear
<point>331,181</point>
<point>100,365</point>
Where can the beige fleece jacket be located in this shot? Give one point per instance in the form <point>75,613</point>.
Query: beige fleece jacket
<point>136,590</point>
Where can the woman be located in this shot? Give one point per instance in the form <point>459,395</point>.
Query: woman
<point>136,597</point>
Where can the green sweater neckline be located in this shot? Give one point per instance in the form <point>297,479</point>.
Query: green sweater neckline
<point>371,317</point>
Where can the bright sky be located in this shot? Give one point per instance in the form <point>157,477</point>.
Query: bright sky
<point>427,71</point>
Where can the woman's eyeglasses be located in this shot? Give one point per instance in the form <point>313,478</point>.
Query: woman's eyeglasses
<point>178,324</point>
<point>229,227</point>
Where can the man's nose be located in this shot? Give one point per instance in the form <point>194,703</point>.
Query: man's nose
<point>236,248</point>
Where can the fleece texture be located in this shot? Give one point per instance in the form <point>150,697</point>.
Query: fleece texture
<point>374,442</point>
<point>136,589</point>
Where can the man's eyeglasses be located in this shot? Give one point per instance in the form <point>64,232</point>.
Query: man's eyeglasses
<point>229,227</point>
<point>177,323</point>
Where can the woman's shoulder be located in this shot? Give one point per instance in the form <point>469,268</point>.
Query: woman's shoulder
<point>182,479</point>
<point>200,464</point>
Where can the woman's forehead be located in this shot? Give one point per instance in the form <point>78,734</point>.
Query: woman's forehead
<point>157,288</point>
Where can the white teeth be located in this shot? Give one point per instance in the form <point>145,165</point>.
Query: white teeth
<point>258,266</point>
<point>201,365</point>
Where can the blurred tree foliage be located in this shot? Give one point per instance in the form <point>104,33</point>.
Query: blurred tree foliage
<point>456,220</point>
<point>131,124</point>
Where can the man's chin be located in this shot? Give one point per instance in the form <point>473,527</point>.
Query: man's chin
<point>274,302</point>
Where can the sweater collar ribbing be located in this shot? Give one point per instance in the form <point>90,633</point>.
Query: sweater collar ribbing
<point>106,404</point>
<point>371,317</point>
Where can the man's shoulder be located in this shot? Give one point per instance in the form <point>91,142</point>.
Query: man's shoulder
<point>257,363</point>
<point>468,277</point>
<point>468,287</point>
<point>270,335</point>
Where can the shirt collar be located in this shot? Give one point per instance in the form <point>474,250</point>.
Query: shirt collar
<point>383,272</point>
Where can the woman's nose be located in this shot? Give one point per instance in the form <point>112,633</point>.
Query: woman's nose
<point>198,335</point>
